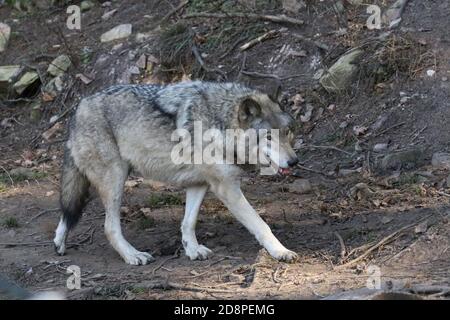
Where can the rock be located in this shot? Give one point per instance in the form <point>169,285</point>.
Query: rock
<point>60,65</point>
<point>118,32</point>
<point>373,294</point>
<point>431,73</point>
<point>407,159</point>
<point>28,79</point>
<point>340,75</point>
<point>24,173</point>
<point>421,228</point>
<point>54,86</point>
<point>141,63</point>
<point>293,6</point>
<point>86,5</point>
<point>109,14</point>
<point>307,116</point>
<point>142,37</point>
<point>441,160</point>
<point>36,112</point>
<point>7,76</point>
<point>380,147</point>
<point>300,186</point>
<point>5,33</point>
<point>50,133</point>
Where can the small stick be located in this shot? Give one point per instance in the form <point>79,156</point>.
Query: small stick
<point>7,173</point>
<point>172,12</point>
<point>251,16</point>
<point>42,213</point>
<point>341,241</point>
<point>266,36</point>
<point>388,129</point>
<point>328,147</point>
<point>382,242</point>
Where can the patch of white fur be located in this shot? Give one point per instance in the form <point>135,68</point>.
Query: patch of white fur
<point>194,198</point>
<point>60,237</point>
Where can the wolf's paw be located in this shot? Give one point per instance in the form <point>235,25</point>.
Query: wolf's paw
<point>286,256</point>
<point>199,252</point>
<point>60,247</point>
<point>138,258</point>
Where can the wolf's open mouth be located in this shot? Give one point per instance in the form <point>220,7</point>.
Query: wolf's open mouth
<point>284,171</point>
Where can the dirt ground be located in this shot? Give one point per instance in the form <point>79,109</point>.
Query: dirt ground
<point>357,218</point>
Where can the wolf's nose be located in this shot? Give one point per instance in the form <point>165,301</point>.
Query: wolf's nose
<point>293,162</point>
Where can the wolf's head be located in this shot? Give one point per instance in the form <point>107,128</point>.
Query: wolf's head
<point>262,112</point>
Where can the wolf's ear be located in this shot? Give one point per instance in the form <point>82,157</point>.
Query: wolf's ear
<point>249,109</point>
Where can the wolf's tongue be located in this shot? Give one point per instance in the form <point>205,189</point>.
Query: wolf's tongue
<point>284,171</point>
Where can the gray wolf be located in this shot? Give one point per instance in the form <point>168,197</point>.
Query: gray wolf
<point>129,127</point>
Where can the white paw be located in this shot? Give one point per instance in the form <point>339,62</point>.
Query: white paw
<point>138,258</point>
<point>285,255</point>
<point>60,248</point>
<point>199,252</point>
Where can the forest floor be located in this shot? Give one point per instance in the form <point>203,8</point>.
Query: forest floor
<point>359,220</point>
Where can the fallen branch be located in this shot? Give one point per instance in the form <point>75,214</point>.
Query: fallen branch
<point>269,75</point>
<point>42,213</point>
<point>341,242</point>
<point>251,16</point>
<point>382,242</point>
<point>327,147</point>
<point>172,12</point>
<point>199,58</point>
<point>266,36</point>
<point>167,285</point>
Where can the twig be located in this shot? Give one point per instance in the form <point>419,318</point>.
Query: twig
<point>167,285</point>
<point>312,170</point>
<point>316,43</point>
<point>327,147</point>
<point>341,242</point>
<point>175,255</point>
<point>266,36</point>
<point>388,129</point>
<point>172,12</point>
<point>42,213</point>
<point>268,75</point>
<point>251,16</point>
<point>199,58</point>
<point>382,242</point>
<point>7,173</point>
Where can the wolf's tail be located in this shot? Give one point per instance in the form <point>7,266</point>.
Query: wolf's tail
<point>74,191</point>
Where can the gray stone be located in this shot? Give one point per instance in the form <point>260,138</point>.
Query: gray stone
<point>59,66</point>
<point>300,186</point>
<point>5,33</point>
<point>108,15</point>
<point>441,160</point>
<point>118,32</point>
<point>407,159</point>
<point>340,75</point>
<point>380,147</point>
<point>8,74</point>
<point>25,81</point>
<point>86,5</point>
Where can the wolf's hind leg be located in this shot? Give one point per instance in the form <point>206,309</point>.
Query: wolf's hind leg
<point>229,192</point>
<point>110,189</point>
<point>194,198</point>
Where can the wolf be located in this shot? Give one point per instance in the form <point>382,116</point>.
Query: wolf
<point>129,127</point>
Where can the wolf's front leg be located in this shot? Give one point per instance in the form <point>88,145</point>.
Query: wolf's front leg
<point>229,192</point>
<point>194,198</point>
